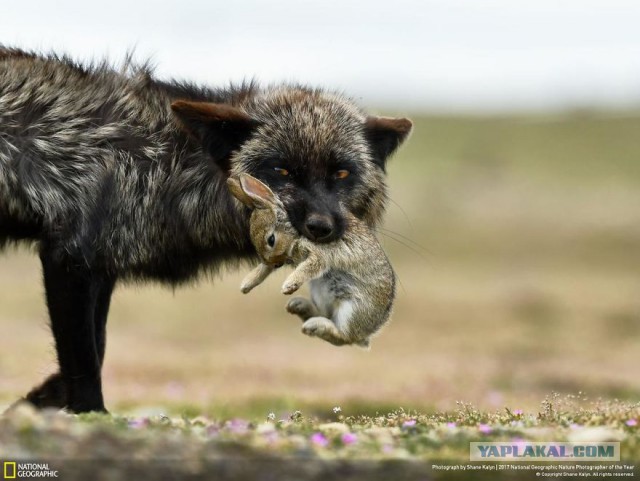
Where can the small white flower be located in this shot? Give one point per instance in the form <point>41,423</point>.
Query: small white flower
<point>337,410</point>
<point>271,417</point>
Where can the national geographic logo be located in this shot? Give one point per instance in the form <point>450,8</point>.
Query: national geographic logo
<point>14,470</point>
<point>9,470</point>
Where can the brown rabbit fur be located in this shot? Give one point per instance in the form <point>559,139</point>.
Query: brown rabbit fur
<point>352,282</point>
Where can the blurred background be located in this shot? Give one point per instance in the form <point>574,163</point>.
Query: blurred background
<point>514,225</point>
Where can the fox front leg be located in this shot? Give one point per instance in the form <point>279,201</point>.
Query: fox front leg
<point>255,277</point>
<point>307,270</point>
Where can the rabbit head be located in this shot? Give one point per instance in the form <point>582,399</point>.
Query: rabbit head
<point>271,232</point>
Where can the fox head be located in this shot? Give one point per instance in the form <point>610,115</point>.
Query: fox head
<point>318,152</point>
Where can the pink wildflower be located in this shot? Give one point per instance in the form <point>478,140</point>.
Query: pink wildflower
<point>238,426</point>
<point>138,423</point>
<point>484,428</point>
<point>349,438</point>
<point>319,439</point>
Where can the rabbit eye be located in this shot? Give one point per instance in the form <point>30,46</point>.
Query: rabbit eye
<point>271,240</point>
<point>281,171</point>
<point>341,174</point>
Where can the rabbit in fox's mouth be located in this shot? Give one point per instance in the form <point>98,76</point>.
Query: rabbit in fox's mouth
<point>352,282</point>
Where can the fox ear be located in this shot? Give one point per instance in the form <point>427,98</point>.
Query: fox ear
<point>251,192</point>
<point>221,128</point>
<point>385,134</point>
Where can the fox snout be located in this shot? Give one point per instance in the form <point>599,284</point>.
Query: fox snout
<point>315,216</point>
<point>319,227</point>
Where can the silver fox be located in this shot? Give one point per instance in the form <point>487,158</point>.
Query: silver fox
<point>352,282</point>
<point>118,176</point>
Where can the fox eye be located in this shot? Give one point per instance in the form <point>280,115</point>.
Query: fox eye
<point>341,174</point>
<point>271,240</point>
<point>281,171</point>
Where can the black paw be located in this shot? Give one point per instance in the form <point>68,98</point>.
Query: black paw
<point>52,393</point>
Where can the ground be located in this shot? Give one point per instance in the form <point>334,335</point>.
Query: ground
<point>516,243</point>
<point>340,445</point>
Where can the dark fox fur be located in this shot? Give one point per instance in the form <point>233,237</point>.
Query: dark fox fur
<point>119,176</point>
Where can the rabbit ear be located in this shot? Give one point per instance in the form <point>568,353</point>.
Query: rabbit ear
<point>261,194</point>
<point>251,192</point>
<point>233,183</point>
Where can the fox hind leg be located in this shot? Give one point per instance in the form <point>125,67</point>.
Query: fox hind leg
<point>72,294</point>
<point>53,390</point>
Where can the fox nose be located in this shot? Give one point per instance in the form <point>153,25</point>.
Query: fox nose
<point>319,228</point>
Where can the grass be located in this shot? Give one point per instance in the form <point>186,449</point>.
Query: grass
<point>400,444</point>
<point>516,244</point>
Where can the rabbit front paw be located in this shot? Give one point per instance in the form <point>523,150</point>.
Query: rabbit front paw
<point>289,287</point>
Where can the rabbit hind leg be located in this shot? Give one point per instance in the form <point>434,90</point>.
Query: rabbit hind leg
<point>324,329</point>
<point>302,307</point>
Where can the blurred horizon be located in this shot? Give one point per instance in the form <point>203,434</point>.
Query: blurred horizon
<point>438,56</point>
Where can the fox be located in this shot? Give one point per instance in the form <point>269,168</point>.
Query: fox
<point>352,282</point>
<point>115,176</point>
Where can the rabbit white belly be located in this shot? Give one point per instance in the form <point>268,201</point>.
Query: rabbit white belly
<point>336,306</point>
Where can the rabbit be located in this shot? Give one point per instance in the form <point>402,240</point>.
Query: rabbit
<point>352,282</point>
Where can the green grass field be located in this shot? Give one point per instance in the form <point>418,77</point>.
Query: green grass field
<point>517,244</point>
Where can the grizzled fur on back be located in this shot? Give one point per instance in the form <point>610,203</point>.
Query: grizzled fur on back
<point>94,163</point>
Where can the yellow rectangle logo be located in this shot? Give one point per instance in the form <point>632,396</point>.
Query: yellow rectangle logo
<point>9,470</point>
